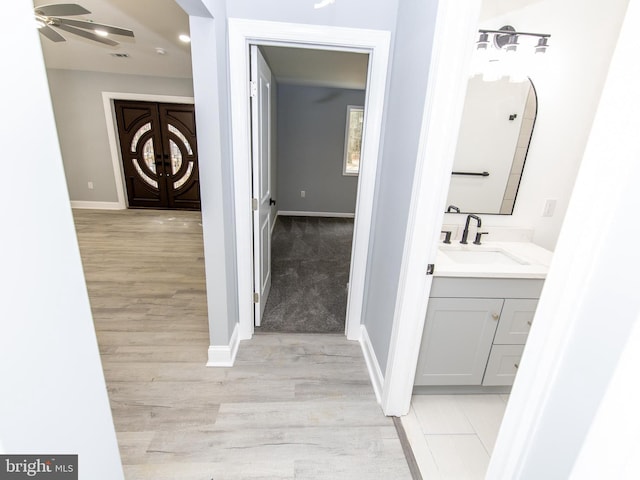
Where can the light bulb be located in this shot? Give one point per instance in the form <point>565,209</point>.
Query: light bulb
<point>479,62</point>
<point>521,66</point>
<point>483,41</point>
<point>512,44</point>
<point>492,71</point>
<point>542,45</point>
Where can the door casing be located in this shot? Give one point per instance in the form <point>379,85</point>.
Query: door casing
<point>376,43</point>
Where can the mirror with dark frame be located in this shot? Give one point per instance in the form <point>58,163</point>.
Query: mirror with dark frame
<point>495,132</point>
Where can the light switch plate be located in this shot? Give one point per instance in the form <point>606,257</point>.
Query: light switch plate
<point>549,208</point>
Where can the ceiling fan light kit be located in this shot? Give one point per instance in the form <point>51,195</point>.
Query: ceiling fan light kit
<point>49,19</point>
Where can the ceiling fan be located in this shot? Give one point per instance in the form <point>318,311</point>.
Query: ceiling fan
<point>48,19</point>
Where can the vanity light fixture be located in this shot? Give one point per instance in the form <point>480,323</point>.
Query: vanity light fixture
<point>506,53</point>
<point>507,38</point>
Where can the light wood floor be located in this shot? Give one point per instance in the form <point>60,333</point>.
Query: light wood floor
<point>294,406</point>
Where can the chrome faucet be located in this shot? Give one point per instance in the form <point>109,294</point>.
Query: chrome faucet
<point>465,233</point>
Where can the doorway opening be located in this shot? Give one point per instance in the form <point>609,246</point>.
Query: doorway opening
<point>243,33</point>
<point>159,154</point>
<point>307,118</point>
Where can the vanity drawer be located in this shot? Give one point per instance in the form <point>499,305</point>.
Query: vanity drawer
<point>470,287</point>
<point>503,365</point>
<point>515,321</point>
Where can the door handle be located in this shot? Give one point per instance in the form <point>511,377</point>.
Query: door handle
<point>272,201</point>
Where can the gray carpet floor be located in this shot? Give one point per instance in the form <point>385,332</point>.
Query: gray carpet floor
<point>310,259</point>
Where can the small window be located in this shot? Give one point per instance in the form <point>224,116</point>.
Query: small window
<point>353,140</point>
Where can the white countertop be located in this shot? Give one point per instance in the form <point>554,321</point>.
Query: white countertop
<point>522,260</point>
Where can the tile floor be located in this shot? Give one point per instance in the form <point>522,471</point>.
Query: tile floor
<point>452,436</point>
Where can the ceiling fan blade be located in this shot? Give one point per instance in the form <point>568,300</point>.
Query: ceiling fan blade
<point>61,10</point>
<point>51,34</point>
<point>85,34</point>
<point>93,26</point>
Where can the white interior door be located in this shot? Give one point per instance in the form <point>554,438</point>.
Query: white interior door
<point>261,163</point>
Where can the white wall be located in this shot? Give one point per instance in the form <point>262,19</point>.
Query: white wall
<point>589,308</point>
<point>583,35</point>
<point>80,120</point>
<point>354,13</point>
<point>54,398</point>
<point>618,418</point>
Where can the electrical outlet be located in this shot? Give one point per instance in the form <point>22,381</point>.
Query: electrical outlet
<point>303,193</point>
<point>90,185</point>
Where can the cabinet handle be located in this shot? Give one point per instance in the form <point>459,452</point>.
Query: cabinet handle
<point>516,365</point>
<point>529,322</point>
<point>495,316</point>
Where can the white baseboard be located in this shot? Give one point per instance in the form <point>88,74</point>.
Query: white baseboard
<point>377,380</point>
<point>273,224</point>
<point>97,205</point>
<point>224,355</point>
<point>295,213</point>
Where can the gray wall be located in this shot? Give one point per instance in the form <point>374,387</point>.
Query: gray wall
<point>311,134</point>
<point>213,116</point>
<point>404,108</point>
<point>218,220</point>
<point>80,120</point>
<point>411,24</point>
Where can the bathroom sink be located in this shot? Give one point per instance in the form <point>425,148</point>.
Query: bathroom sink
<point>481,256</point>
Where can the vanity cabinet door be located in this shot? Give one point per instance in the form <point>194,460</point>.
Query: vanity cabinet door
<point>503,365</point>
<point>515,321</point>
<point>457,339</point>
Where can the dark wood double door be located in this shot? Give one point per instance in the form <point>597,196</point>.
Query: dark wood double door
<point>159,154</point>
